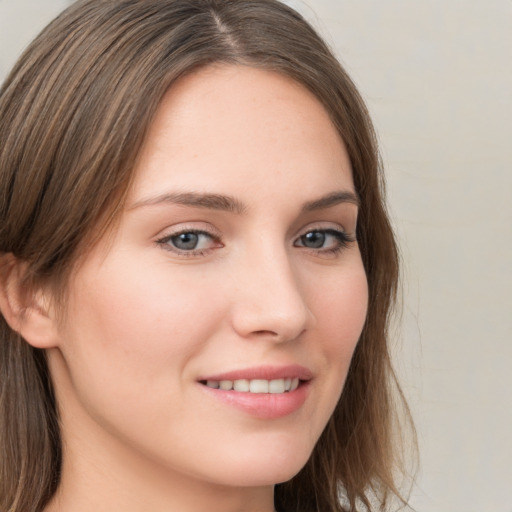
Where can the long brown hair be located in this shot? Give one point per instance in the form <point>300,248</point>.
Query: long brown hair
<point>73,115</point>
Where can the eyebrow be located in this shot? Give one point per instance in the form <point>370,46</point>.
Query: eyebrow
<point>232,205</point>
<point>342,196</point>
<point>196,200</point>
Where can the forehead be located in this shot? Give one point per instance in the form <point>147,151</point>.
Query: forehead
<point>234,126</point>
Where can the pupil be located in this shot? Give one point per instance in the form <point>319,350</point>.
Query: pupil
<point>186,241</point>
<point>315,239</point>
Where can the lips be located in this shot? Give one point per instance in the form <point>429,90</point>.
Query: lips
<point>256,385</point>
<point>263,372</point>
<point>265,392</point>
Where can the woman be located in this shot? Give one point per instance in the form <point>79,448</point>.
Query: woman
<point>196,267</point>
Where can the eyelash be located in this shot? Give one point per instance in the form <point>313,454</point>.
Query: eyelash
<point>342,238</point>
<point>164,242</point>
<point>343,242</point>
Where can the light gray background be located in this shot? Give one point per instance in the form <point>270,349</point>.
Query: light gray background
<point>437,76</point>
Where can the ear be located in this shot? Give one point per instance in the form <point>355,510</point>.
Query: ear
<point>27,311</point>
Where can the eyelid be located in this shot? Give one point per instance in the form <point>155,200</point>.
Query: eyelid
<point>197,228</point>
<point>325,226</point>
<point>343,239</point>
<point>189,227</point>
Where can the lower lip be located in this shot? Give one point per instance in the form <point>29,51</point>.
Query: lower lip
<point>263,405</point>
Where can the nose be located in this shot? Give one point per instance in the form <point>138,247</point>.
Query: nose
<point>270,302</point>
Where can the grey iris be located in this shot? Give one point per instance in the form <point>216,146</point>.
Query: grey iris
<point>314,239</point>
<point>185,241</point>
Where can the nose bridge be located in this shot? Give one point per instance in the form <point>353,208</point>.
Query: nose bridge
<point>270,299</point>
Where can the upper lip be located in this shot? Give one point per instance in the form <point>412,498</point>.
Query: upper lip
<point>263,372</point>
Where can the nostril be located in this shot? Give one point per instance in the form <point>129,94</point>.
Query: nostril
<point>266,333</point>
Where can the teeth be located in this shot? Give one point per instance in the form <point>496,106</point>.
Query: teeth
<point>226,384</point>
<point>276,386</point>
<point>241,385</point>
<point>258,386</point>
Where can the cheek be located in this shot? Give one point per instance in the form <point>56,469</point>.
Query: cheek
<point>127,342</point>
<point>341,306</point>
<point>340,311</point>
<point>128,325</point>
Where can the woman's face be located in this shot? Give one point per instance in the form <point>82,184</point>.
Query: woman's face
<point>234,264</point>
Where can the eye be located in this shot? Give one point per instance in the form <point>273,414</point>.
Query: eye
<point>324,240</point>
<point>189,242</point>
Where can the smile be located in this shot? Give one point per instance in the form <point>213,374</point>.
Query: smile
<point>264,392</point>
<point>258,386</point>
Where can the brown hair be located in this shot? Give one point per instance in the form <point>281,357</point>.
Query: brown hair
<point>73,115</point>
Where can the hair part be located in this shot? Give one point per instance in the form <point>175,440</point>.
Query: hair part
<point>74,113</point>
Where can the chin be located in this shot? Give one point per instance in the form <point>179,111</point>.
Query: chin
<point>265,467</point>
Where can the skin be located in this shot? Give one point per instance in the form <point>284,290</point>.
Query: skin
<point>144,320</point>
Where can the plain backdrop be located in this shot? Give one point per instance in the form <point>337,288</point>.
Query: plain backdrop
<point>437,77</point>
